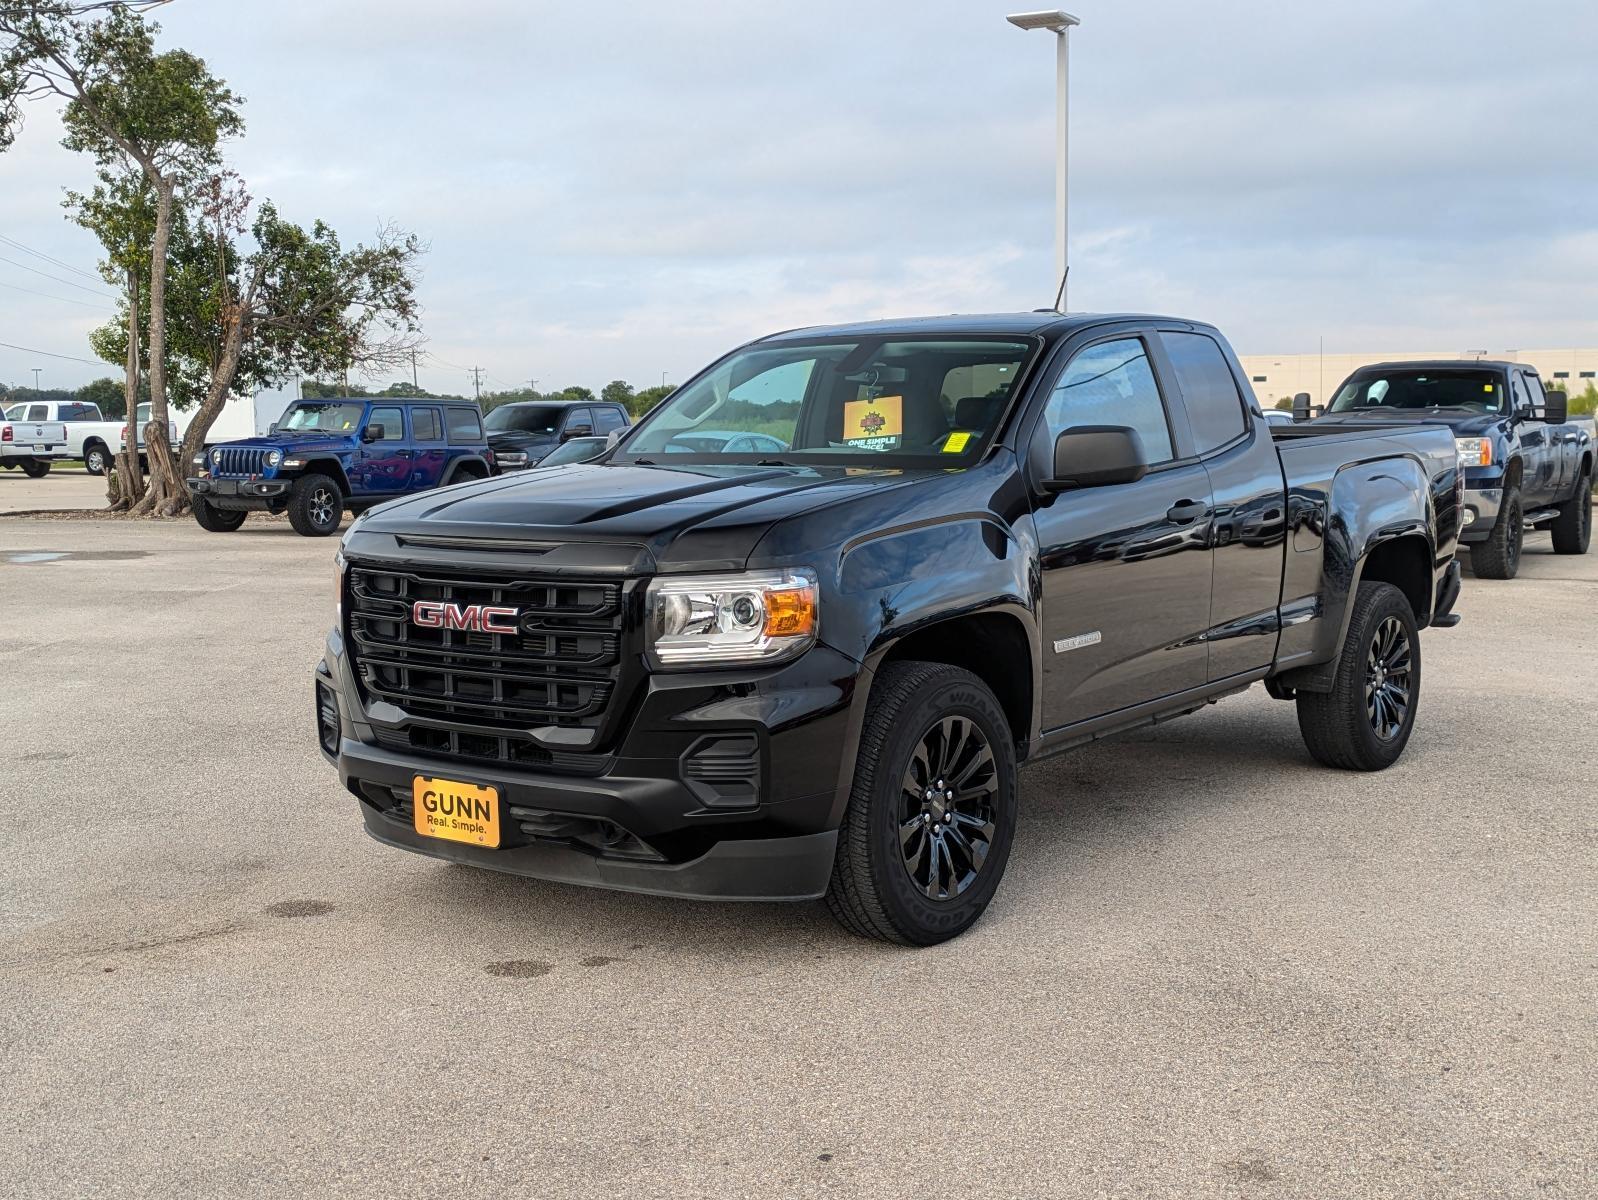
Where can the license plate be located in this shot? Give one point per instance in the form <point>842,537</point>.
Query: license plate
<point>455,811</point>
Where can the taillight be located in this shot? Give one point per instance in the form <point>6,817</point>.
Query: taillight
<point>6,435</point>
<point>124,433</point>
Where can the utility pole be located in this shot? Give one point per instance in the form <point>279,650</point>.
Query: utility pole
<point>36,371</point>
<point>414,383</point>
<point>534,385</point>
<point>477,384</point>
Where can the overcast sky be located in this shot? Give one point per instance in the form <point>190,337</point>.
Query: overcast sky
<point>623,199</point>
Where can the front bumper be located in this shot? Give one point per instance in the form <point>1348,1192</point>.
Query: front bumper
<point>637,816</point>
<point>240,493</point>
<point>1481,507</point>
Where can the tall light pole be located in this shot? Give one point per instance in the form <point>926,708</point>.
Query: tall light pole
<point>36,371</point>
<point>1057,22</point>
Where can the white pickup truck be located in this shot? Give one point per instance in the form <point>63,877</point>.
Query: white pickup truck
<point>31,445</point>
<point>90,436</point>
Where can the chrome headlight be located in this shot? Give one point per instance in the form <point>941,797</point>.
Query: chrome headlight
<point>216,456</point>
<point>273,457</point>
<point>1474,452</point>
<point>731,620</point>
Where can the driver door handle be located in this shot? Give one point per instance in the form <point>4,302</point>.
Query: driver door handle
<point>1185,512</point>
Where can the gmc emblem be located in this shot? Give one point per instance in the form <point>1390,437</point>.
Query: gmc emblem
<point>479,618</point>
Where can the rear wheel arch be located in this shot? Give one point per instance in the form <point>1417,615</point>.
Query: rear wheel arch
<point>1406,563</point>
<point>462,469</point>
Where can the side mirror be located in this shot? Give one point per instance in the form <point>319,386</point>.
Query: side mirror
<point>272,428</point>
<point>577,431</point>
<point>1097,455</point>
<point>1556,408</point>
<point>372,433</point>
<point>1303,410</point>
<point>613,437</point>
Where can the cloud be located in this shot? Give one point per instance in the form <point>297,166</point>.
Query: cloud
<point>614,195</point>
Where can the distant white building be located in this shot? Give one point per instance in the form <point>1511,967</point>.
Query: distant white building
<point>1279,376</point>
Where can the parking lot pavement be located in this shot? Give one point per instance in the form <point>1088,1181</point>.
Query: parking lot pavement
<point>57,490</point>
<point>1214,969</point>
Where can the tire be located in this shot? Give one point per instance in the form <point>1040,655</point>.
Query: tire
<point>216,520</point>
<point>1572,529</point>
<point>1340,727</point>
<point>97,459</point>
<point>35,468</point>
<point>316,506</point>
<point>929,884</point>
<point>1499,556</point>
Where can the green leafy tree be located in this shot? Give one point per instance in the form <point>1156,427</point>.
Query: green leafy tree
<point>617,391</point>
<point>159,116</point>
<point>107,395</point>
<point>647,398</point>
<point>576,393</point>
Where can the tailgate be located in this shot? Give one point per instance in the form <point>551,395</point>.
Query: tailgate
<point>42,434</point>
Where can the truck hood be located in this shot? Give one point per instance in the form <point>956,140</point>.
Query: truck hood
<point>1464,424</point>
<point>292,443</point>
<point>690,517</point>
<point>514,439</point>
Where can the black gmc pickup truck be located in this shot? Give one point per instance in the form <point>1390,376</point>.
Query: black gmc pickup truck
<point>813,670</point>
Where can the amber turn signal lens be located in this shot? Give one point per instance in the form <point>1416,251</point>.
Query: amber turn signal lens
<point>791,613</point>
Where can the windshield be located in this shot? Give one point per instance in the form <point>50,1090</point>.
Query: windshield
<point>577,450</point>
<point>1472,390</point>
<point>16,412</point>
<point>524,418</point>
<point>847,402</point>
<point>323,417</point>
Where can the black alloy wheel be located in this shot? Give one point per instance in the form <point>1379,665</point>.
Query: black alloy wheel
<point>932,810</point>
<point>1387,679</point>
<point>947,819</point>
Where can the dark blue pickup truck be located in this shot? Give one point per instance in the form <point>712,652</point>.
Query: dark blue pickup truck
<point>1526,462</point>
<point>326,456</point>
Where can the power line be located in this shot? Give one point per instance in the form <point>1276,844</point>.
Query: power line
<point>50,354</point>
<point>65,266</point>
<point>93,291</point>
<point>63,299</point>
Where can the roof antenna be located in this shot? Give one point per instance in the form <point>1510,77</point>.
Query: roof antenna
<point>1059,296</point>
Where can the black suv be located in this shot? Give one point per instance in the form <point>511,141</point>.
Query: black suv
<point>521,434</point>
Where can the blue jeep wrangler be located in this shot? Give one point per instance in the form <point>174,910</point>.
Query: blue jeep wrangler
<point>325,456</point>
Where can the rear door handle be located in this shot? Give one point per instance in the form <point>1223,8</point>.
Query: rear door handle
<point>1185,512</point>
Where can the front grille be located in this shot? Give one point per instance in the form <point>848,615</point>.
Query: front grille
<point>240,460</point>
<point>476,695</point>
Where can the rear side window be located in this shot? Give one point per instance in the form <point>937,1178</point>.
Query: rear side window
<point>393,422</point>
<point>608,419</point>
<point>1112,384</point>
<point>465,424</point>
<point>426,425</point>
<point>1214,405</point>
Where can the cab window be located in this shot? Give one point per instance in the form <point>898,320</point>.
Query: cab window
<point>1112,383</point>
<point>464,424</point>
<point>1214,405</point>
<point>393,422</point>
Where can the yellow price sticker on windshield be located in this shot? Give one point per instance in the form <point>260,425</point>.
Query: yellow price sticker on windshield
<point>874,424</point>
<point>958,441</point>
